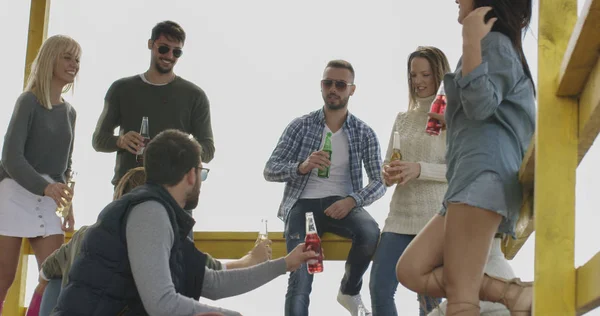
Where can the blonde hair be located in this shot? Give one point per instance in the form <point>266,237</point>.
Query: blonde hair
<point>131,180</point>
<point>42,68</point>
<point>439,67</point>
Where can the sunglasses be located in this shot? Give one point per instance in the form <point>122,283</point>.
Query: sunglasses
<point>203,173</point>
<point>163,49</point>
<point>339,85</point>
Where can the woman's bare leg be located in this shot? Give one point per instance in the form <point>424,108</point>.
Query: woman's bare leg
<point>44,246</point>
<point>466,239</point>
<point>469,234</point>
<point>9,260</point>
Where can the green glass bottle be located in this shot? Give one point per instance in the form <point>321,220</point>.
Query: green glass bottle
<point>327,149</point>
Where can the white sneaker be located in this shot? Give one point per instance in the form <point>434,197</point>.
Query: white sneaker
<point>351,303</point>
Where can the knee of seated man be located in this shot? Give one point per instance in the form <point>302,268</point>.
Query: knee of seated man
<point>368,237</point>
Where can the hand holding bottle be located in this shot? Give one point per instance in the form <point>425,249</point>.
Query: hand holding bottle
<point>131,141</point>
<point>318,159</point>
<point>297,257</point>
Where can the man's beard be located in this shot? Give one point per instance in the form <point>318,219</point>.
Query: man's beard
<point>191,201</point>
<point>331,106</point>
<point>162,70</point>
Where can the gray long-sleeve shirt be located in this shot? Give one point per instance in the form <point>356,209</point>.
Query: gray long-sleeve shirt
<point>150,235</point>
<point>38,141</point>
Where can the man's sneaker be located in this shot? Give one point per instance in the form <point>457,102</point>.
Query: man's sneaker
<point>351,303</point>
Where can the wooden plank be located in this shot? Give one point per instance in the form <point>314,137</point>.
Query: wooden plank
<point>38,31</point>
<point>527,168</point>
<point>588,285</point>
<point>13,304</point>
<point>234,245</point>
<point>524,229</point>
<point>589,128</point>
<point>582,51</point>
<point>589,111</point>
<point>555,164</point>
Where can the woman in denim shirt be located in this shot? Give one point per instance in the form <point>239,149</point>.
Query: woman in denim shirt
<point>490,120</point>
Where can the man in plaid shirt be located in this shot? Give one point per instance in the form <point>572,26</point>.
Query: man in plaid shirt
<point>336,201</point>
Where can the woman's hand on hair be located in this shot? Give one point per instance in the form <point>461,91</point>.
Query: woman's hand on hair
<point>474,26</point>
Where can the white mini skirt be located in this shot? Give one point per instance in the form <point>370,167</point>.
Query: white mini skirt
<point>27,215</point>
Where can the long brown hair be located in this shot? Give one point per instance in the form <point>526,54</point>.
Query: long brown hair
<point>131,180</point>
<point>439,67</point>
<point>513,19</point>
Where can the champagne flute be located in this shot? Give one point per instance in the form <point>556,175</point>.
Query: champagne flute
<point>361,310</point>
<point>63,209</point>
<point>263,232</point>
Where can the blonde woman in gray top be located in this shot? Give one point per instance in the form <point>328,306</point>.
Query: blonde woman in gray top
<point>36,157</point>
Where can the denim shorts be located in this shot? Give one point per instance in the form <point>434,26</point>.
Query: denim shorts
<point>486,192</point>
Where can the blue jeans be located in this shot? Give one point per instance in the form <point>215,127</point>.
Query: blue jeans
<point>383,276</point>
<point>50,297</point>
<point>357,225</point>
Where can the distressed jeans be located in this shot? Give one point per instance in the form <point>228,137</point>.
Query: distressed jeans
<point>358,225</point>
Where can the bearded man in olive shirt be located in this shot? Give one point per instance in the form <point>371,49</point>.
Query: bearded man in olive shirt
<point>169,102</point>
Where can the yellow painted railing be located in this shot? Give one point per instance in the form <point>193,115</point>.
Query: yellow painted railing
<point>221,245</point>
<point>568,122</point>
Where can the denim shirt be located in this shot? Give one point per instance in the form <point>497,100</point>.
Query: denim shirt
<point>490,119</point>
<point>303,136</point>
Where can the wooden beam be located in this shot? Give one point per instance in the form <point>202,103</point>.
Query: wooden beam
<point>582,51</point>
<point>589,128</point>
<point>555,164</point>
<point>524,229</point>
<point>588,285</point>
<point>527,168</point>
<point>589,111</point>
<point>14,302</point>
<point>234,245</point>
<point>38,29</point>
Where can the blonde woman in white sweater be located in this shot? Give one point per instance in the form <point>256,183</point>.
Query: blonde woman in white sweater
<point>420,179</point>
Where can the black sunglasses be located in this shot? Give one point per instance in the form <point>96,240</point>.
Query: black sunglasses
<point>339,85</point>
<point>163,49</point>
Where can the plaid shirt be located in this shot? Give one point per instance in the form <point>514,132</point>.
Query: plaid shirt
<point>302,137</point>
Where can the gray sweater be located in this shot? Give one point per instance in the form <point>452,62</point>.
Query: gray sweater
<point>150,235</point>
<point>38,141</point>
<point>179,105</point>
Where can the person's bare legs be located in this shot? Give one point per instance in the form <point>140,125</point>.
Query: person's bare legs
<point>44,246</point>
<point>465,238</point>
<point>11,247</point>
<point>469,234</point>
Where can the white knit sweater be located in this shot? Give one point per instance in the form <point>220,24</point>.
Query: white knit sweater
<point>415,203</point>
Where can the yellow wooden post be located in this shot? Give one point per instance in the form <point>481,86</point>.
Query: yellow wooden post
<point>16,294</point>
<point>555,164</point>
<point>38,30</point>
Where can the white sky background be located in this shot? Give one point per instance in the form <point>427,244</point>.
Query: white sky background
<point>260,63</point>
